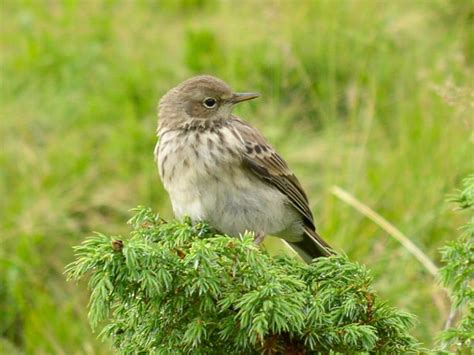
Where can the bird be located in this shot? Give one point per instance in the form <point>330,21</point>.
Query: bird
<point>218,168</point>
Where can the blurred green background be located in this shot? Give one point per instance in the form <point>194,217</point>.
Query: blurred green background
<point>372,96</point>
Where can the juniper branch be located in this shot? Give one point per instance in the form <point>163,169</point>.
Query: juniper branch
<point>458,276</point>
<point>178,287</point>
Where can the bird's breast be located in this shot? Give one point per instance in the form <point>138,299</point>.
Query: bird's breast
<point>205,178</point>
<point>191,155</point>
<point>193,164</point>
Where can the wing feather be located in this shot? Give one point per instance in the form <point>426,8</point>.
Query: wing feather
<point>261,159</point>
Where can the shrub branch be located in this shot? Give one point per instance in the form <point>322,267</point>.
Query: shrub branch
<point>178,287</point>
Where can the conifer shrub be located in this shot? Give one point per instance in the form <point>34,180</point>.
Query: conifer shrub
<point>458,276</point>
<point>179,287</point>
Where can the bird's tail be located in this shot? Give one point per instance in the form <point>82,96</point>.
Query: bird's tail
<point>312,245</point>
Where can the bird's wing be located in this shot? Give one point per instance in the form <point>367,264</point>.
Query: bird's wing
<point>260,158</point>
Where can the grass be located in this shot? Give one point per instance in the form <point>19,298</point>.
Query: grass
<point>372,96</point>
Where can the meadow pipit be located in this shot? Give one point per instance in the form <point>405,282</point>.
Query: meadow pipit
<point>216,167</point>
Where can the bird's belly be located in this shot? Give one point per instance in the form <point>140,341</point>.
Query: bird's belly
<point>243,203</point>
<point>217,188</point>
<point>233,204</point>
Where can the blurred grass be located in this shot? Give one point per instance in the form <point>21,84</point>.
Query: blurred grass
<point>372,96</point>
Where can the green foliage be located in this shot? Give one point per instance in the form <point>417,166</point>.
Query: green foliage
<point>178,287</point>
<point>202,51</point>
<point>458,275</point>
<point>372,96</point>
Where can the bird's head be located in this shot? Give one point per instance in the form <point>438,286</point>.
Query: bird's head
<point>202,97</point>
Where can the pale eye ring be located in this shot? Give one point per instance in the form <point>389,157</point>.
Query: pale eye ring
<point>209,102</point>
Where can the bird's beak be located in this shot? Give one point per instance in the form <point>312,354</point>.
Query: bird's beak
<point>243,96</point>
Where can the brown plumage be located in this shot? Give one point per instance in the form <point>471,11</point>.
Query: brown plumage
<point>265,162</point>
<point>232,177</point>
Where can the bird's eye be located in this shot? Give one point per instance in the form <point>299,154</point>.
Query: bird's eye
<point>209,102</point>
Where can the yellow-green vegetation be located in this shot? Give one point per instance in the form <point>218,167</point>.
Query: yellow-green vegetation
<point>372,96</point>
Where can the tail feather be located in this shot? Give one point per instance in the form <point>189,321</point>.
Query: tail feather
<point>312,246</point>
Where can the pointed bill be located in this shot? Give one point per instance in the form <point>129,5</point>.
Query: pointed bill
<point>243,96</point>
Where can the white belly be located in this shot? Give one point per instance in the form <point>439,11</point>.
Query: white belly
<point>207,184</point>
